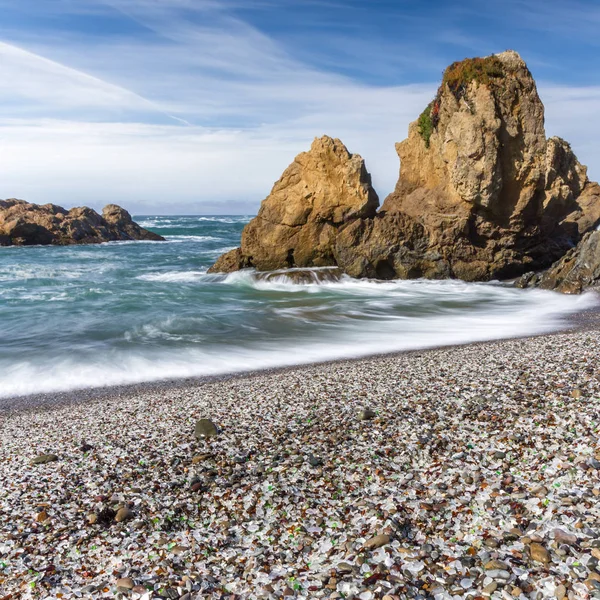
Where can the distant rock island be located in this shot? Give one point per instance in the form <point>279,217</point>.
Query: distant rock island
<point>26,224</point>
<point>482,193</point>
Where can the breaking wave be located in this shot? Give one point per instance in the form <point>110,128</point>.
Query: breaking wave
<point>123,313</point>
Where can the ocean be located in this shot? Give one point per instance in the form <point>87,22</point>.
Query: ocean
<point>127,312</point>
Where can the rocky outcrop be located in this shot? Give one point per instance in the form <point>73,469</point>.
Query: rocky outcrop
<point>482,194</point>
<point>297,225</point>
<point>574,272</point>
<point>25,224</point>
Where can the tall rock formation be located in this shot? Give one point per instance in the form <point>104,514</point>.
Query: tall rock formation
<point>297,224</point>
<point>26,224</point>
<point>482,193</point>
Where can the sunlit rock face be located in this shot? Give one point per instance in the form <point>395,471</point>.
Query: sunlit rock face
<point>319,193</point>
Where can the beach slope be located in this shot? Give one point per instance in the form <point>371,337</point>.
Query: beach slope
<point>462,471</point>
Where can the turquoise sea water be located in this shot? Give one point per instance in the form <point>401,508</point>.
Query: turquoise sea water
<point>125,312</point>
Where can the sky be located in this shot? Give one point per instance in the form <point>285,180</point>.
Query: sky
<point>197,106</point>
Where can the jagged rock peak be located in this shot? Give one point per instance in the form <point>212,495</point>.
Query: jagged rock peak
<point>296,226</point>
<point>25,224</point>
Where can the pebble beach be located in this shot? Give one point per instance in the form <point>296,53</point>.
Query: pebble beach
<point>463,472</point>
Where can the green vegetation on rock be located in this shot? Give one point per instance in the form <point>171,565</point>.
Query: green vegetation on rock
<point>483,70</point>
<point>426,124</point>
<point>457,77</point>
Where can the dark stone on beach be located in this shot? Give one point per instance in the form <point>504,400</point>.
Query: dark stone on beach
<point>123,514</point>
<point>499,454</point>
<point>345,567</point>
<point>42,459</point>
<point>106,516</point>
<point>366,414</point>
<point>86,447</point>
<point>205,428</point>
<point>314,461</point>
<point>125,584</point>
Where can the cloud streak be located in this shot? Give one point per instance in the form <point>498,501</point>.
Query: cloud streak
<point>185,104</point>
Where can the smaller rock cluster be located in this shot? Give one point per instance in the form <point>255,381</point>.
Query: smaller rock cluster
<point>26,224</point>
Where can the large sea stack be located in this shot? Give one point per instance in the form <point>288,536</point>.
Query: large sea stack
<point>26,224</point>
<point>482,193</point>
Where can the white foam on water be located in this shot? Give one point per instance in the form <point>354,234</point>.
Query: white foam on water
<point>129,242</point>
<point>193,238</point>
<point>230,220</point>
<point>502,312</point>
<point>173,276</point>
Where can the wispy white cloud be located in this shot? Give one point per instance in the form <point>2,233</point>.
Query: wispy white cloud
<point>37,83</point>
<point>203,107</point>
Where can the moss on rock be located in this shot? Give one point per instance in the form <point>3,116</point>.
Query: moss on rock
<point>483,70</point>
<point>426,124</point>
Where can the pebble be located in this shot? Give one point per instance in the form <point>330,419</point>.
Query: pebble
<point>377,542</point>
<point>123,514</point>
<point>42,459</point>
<point>139,589</point>
<point>563,537</point>
<point>200,458</point>
<point>314,461</point>
<point>205,428</point>
<point>539,553</point>
<point>366,414</point>
<point>125,583</point>
<point>560,592</point>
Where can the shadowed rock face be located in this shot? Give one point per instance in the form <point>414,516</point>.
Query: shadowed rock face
<point>575,271</point>
<point>482,193</point>
<point>25,224</point>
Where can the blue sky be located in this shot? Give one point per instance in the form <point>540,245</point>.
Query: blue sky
<point>198,105</point>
